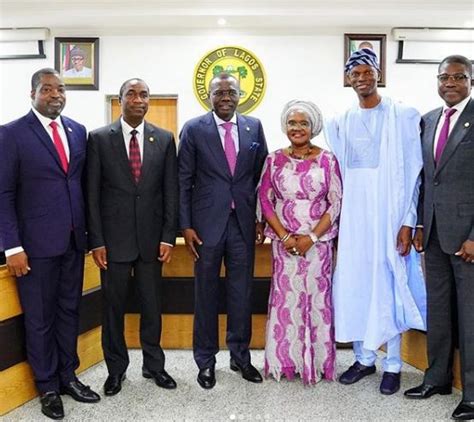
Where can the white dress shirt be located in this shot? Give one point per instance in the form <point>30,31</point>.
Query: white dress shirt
<point>126,129</point>
<point>235,131</point>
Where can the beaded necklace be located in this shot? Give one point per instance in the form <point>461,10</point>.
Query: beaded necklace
<point>292,154</point>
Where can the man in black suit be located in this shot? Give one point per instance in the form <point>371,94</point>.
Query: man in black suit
<point>221,155</point>
<point>132,192</point>
<point>446,232</point>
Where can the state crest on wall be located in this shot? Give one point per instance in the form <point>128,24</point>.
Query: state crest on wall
<point>240,63</point>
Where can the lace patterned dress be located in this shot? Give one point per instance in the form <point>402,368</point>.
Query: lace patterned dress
<point>300,332</point>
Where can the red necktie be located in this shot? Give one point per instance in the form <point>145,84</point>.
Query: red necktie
<point>58,143</point>
<point>444,134</point>
<point>134,156</point>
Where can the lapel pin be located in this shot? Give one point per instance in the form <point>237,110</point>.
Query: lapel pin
<point>151,139</point>
<point>467,124</point>
<point>247,129</point>
<point>69,129</point>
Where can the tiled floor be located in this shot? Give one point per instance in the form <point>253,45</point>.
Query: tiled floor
<point>234,399</point>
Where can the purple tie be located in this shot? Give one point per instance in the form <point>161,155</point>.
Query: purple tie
<point>229,146</point>
<point>444,133</point>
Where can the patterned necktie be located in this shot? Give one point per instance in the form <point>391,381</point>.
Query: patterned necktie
<point>58,143</point>
<point>229,146</point>
<point>134,156</point>
<point>444,133</point>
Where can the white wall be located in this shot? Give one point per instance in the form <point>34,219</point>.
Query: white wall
<point>296,67</point>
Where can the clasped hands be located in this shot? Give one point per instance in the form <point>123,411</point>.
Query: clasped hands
<point>297,244</point>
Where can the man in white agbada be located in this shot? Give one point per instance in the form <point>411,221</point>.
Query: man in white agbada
<point>378,284</point>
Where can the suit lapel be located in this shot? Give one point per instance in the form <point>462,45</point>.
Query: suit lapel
<point>459,131</point>
<point>429,135</point>
<point>213,141</point>
<point>245,141</point>
<point>44,137</point>
<point>72,142</point>
<point>150,143</point>
<point>118,146</point>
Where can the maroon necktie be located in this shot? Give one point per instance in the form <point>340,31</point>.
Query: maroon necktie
<point>134,156</point>
<point>58,143</point>
<point>444,133</point>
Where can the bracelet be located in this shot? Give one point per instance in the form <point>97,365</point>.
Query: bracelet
<point>284,238</point>
<point>314,237</point>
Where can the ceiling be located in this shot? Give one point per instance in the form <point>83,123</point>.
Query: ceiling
<point>99,17</point>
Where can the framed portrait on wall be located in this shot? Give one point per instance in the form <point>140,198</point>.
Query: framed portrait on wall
<point>77,60</point>
<point>376,42</point>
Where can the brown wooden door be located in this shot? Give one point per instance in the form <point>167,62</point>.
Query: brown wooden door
<point>162,111</point>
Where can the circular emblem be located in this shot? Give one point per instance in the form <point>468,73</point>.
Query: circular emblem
<point>240,63</point>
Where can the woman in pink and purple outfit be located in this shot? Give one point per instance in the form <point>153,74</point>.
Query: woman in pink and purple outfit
<point>300,196</point>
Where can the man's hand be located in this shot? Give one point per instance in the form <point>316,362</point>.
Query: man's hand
<point>100,257</point>
<point>404,240</point>
<point>165,253</point>
<point>17,264</point>
<point>466,252</point>
<point>418,239</point>
<point>259,236</point>
<point>191,237</point>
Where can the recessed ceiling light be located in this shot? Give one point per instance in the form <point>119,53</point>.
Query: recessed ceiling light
<point>221,22</point>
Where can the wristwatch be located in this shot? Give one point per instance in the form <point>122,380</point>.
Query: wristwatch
<point>314,238</point>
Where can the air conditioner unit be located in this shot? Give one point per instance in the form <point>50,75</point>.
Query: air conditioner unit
<point>434,34</point>
<point>23,34</point>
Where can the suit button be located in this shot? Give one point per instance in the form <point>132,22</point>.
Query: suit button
<point>137,197</point>
<point>436,183</point>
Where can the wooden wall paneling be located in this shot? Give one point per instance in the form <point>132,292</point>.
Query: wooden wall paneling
<point>177,331</point>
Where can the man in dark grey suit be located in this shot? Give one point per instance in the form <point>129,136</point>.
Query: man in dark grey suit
<point>221,155</point>
<point>132,192</point>
<point>446,232</point>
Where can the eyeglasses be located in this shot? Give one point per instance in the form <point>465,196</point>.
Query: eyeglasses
<point>356,75</point>
<point>298,125</point>
<point>77,58</point>
<point>455,77</point>
<point>222,93</point>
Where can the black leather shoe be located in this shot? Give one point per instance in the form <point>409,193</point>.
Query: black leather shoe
<point>162,378</point>
<point>52,405</point>
<point>248,372</point>
<point>80,392</point>
<point>355,373</point>
<point>464,411</point>
<point>113,384</point>
<point>390,383</point>
<point>425,391</point>
<point>206,378</point>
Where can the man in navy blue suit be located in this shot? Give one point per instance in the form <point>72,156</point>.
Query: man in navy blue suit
<point>220,158</point>
<point>42,227</point>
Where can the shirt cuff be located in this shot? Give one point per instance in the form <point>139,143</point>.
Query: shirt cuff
<point>419,226</point>
<point>13,251</point>
<point>164,243</point>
